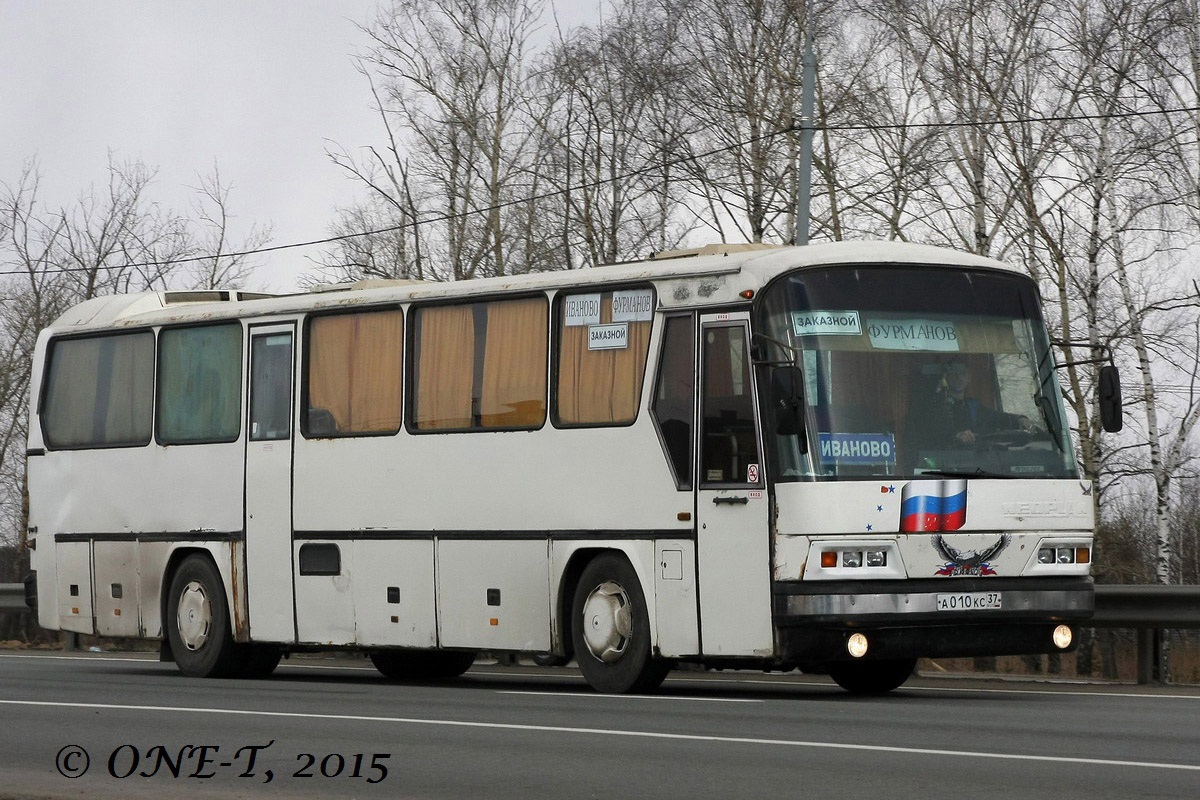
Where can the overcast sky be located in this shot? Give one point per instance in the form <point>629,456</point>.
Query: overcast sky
<point>258,85</point>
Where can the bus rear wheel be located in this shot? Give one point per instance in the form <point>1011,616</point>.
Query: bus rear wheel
<point>872,677</point>
<point>611,630</point>
<point>260,660</point>
<point>422,665</point>
<point>198,622</point>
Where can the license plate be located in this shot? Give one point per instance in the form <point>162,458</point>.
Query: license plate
<point>968,601</point>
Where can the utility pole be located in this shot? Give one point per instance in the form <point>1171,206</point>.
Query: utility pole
<point>804,176</point>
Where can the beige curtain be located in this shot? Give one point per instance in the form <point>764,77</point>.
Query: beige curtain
<point>445,367</point>
<point>513,391</point>
<point>355,370</point>
<point>600,386</point>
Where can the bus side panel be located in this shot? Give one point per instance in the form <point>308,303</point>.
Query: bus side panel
<point>493,595</point>
<point>490,482</point>
<point>675,602</point>
<point>394,593</point>
<point>323,601</point>
<point>152,565</point>
<point>74,591</point>
<point>116,570</point>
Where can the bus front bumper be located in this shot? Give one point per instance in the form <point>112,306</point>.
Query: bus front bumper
<point>928,618</point>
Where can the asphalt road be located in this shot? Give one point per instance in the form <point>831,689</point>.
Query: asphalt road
<point>522,732</point>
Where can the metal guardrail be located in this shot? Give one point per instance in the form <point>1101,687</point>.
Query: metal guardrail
<point>1149,609</point>
<point>1155,606</point>
<point>12,596</point>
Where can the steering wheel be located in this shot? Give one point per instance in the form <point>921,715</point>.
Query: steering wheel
<point>1015,436</point>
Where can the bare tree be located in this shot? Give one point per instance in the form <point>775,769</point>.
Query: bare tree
<point>610,133</point>
<point>220,262</point>
<point>743,92</point>
<point>453,73</point>
<point>112,239</point>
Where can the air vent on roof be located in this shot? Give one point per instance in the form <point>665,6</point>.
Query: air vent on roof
<point>720,249</point>
<point>172,298</point>
<point>211,296</point>
<point>365,283</point>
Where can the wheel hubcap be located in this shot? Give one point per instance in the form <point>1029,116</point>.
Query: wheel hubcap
<point>194,616</point>
<point>607,622</point>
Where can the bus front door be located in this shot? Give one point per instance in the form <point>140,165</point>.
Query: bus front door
<point>269,484</point>
<point>732,511</point>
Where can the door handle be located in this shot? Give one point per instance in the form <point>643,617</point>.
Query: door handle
<point>733,501</point>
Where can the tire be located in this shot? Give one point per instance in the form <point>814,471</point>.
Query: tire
<point>422,665</point>
<point>198,622</point>
<point>260,660</point>
<point>550,660</point>
<point>872,677</point>
<point>610,629</point>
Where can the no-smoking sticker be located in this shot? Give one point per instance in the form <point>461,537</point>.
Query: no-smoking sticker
<point>752,473</point>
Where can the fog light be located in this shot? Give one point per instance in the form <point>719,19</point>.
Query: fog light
<point>1046,555</point>
<point>856,645</point>
<point>851,558</point>
<point>876,558</point>
<point>1062,637</point>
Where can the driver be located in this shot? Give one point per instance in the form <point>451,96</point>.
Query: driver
<point>954,418</point>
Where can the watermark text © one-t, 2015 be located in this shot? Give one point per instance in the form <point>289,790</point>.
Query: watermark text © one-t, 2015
<point>203,761</point>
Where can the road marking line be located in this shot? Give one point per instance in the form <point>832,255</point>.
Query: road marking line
<point>588,694</point>
<point>908,688</point>
<point>97,657</point>
<point>687,737</point>
<point>694,681</point>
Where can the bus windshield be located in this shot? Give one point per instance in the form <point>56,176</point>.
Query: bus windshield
<point>911,371</point>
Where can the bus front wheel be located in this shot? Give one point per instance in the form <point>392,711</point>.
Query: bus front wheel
<point>872,677</point>
<point>611,629</point>
<point>198,622</point>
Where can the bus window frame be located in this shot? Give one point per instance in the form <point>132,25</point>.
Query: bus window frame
<point>242,396</point>
<point>559,299</point>
<point>45,385</point>
<point>411,361</point>
<point>746,324</point>
<point>688,482</point>
<point>305,348</point>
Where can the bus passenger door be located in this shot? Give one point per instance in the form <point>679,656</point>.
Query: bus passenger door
<point>269,484</point>
<point>732,516</point>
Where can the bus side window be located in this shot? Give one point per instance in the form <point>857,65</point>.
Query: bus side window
<point>729,443</point>
<point>270,387</point>
<point>353,376</point>
<point>674,396</point>
<point>99,391</point>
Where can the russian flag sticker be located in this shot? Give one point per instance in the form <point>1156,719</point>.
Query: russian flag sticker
<point>931,506</point>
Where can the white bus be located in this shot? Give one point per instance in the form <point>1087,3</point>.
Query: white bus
<point>837,458</point>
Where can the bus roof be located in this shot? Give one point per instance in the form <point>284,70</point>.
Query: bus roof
<point>701,280</point>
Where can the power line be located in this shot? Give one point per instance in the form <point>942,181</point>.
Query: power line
<point>634,174</point>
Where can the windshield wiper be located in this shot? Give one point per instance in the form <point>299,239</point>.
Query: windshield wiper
<point>1048,409</point>
<point>961,473</point>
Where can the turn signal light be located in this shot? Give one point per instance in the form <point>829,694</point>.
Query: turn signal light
<point>854,559</point>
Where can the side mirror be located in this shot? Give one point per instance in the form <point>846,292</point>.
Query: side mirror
<point>1110,399</point>
<point>787,401</point>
